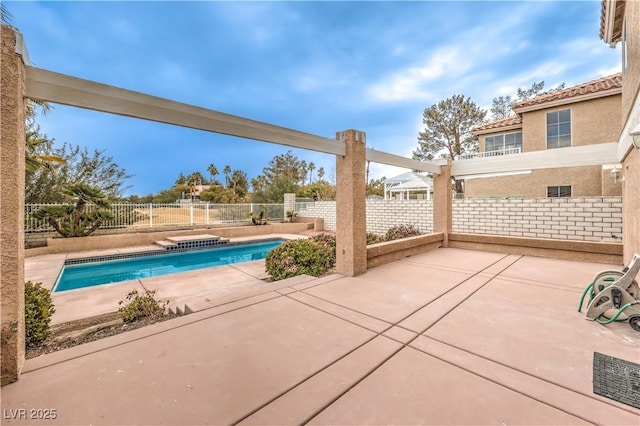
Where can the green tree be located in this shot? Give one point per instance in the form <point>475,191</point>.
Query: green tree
<point>312,167</point>
<point>227,172</point>
<point>35,156</point>
<point>304,168</point>
<point>47,184</point>
<point>448,131</point>
<point>182,180</point>
<point>321,174</point>
<point>75,220</point>
<point>239,183</point>
<point>193,180</point>
<point>376,187</point>
<point>213,172</point>
<point>282,175</point>
<point>321,190</point>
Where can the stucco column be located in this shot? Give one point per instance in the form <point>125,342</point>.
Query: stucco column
<point>631,205</point>
<point>351,238</point>
<point>443,203</point>
<point>12,142</point>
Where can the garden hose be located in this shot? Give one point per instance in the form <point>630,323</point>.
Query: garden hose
<point>584,293</point>
<point>615,317</point>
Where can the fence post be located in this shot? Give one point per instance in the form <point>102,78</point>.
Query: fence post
<point>150,215</point>
<point>191,214</point>
<point>442,203</point>
<point>206,213</point>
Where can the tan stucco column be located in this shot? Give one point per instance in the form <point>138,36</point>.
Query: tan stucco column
<point>351,238</point>
<point>443,203</point>
<point>12,143</point>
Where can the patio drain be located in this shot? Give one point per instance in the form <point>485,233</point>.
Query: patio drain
<point>616,379</point>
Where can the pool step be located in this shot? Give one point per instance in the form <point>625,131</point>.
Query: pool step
<point>191,241</point>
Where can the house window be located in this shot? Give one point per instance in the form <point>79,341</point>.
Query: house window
<point>559,191</point>
<point>503,142</point>
<point>559,129</point>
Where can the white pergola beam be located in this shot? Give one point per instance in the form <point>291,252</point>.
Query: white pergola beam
<point>399,161</point>
<point>63,89</point>
<point>588,155</point>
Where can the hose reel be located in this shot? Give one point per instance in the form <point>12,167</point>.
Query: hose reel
<point>614,296</point>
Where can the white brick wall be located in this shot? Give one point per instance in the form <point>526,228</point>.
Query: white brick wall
<point>588,219</point>
<point>381,214</point>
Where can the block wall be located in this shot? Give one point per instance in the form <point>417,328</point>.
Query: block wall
<point>586,218</point>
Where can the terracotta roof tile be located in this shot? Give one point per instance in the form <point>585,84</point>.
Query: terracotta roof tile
<point>602,85</point>
<point>512,120</point>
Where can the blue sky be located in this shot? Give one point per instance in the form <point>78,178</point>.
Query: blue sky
<point>318,67</point>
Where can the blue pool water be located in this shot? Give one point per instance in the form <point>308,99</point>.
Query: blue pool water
<point>112,271</point>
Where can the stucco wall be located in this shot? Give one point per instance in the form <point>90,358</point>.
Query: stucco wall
<point>587,181</point>
<point>631,76</point>
<point>631,211</point>
<point>592,122</point>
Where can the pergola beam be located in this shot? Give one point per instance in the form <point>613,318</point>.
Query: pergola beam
<point>399,161</point>
<point>63,89</point>
<point>577,156</point>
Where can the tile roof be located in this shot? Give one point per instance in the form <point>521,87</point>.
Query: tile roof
<point>601,86</point>
<point>512,120</point>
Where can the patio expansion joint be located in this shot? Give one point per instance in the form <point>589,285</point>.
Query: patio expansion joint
<point>147,335</point>
<point>488,278</point>
<point>402,346</point>
<point>513,389</point>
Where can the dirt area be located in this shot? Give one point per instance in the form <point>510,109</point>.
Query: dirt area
<point>73,333</point>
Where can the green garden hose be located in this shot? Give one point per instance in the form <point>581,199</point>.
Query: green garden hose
<point>615,317</point>
<point>584,293</point>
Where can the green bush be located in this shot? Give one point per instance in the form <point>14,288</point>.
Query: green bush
<point>401,231</point>
<point>38,309</point>
<point>328,242</point>
<point>298,257</point>
<point>136,307</point>
<point>374,238</point>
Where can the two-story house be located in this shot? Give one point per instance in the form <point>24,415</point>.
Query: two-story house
<point>620,25</point>
<point>585,114</point>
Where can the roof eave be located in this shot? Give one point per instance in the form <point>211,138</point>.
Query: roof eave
<point>498,129</point>
<point>611,29</point>
<point>571,100</point>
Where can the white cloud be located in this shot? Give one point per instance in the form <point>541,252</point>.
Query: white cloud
<point>412,83</point>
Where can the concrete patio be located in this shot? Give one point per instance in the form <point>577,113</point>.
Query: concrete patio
<point>447,337</point>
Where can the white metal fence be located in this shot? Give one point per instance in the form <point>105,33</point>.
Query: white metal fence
<point>149,215</point>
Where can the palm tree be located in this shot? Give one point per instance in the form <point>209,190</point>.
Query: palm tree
<point>73,220</point>
<point>193,180</point>
<point>227,172</point>
<point>33,160</point>
<point>213,172</point>
<point>312,167</point>
<point>303,171</point>
<point>320,173</point>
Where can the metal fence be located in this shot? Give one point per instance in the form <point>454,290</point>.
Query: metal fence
<point>149,215</point>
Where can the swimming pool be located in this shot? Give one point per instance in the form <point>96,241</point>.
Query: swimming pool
<point>97,273</point>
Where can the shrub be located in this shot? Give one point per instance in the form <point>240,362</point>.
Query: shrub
<point>401,231</point>
<point>38,309</point>
<point>374,238</point>
<point>298,257</point>
<point>328,242</point>
<point>136,307</point>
